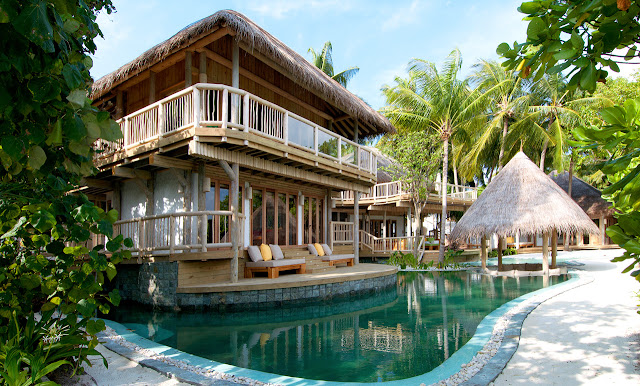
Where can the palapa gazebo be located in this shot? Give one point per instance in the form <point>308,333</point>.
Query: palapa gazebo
<point>522,199</point>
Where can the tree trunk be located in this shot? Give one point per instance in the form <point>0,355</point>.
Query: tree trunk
<point>543,154</point>
<point>455,170</point>
<point>505,128</point>
<point>417,209</point>
<point>443,219</point>
<point>566,235</point>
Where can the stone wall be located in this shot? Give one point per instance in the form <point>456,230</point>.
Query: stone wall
<point>155,284</point>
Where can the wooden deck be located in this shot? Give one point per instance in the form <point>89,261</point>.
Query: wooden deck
<point>339,275</point>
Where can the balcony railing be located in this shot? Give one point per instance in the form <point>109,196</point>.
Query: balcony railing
<point>390,190</point>
<point>216,105</point>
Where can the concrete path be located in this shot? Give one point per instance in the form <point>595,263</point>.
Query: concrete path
<point>588,335</point>
<point>123,371</point>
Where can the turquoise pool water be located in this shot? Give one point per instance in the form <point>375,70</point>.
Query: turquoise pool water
<point>403,332</point>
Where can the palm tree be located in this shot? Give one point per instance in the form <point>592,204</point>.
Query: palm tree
<point>508,100</point>
<point>324,61</point>
<point>555,115</point>
<point>433,100</point>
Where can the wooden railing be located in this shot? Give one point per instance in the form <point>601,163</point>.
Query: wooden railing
<point>217,105</point>
<point>391,244</point>
<point>340,232</point>
<point>391,190</point>
<point>183,231</point>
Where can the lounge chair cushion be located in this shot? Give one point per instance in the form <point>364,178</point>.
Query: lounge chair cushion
<point>276,252</point>
<point>312,249</point>
<point>254,253</point>
<point>319,249</point>
<point>337,257</point>
<point>327,250</point>
<point>275,263</point>
<point>265,251</point>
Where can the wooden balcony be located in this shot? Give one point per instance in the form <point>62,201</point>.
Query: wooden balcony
<point>393,193</point>
<point>198,119</point>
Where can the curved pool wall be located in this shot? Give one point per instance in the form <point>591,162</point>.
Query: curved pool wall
<point>448,368</point>
<point>155,285</point>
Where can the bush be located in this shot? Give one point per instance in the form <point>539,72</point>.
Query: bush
<point>506,252</point>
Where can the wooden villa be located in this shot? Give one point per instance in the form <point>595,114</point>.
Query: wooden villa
<point>231,139</point>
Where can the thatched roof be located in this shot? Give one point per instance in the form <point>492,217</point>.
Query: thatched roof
<point>524,200</point>
<point>586,196</point>
<point>299,69</point>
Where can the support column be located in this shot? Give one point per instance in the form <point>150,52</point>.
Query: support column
<point>201,204</point>
<point>119,104</point>
<point>499,253</point>
<point>554,248</point>
<point>301,240</point>
<point>409,225</point>
<point>233,172</point>
<point>384,224</point>
<point>603,235</point>
<point>235,80</point>
<point>152,87</point>
<point>203,68</point>
<point>356,227</point>
<point>188,78</point>
<point>517,240</point>
<point>116,197</point>
<point>545,253</point>
<point>246,209</point>
<point>483,253</point>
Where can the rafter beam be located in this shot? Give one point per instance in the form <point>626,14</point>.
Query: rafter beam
<point>124,172</point>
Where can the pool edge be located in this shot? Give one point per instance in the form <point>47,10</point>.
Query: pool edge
<point>451,367</point>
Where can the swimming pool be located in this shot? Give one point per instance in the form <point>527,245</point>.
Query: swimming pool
<point>405,331</point>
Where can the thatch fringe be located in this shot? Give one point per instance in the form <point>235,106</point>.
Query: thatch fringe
<point>586,196</point>
<point>522,200</point>
<point>303,72</point>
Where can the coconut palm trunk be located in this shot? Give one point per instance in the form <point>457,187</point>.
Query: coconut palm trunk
<point>443,218</point>
<point>543,154</point>
<point>505,130</point>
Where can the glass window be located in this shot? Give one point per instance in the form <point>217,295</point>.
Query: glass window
<point>283,211</point>
<point>293,220</point>
<point>256,217</point>
<point>270,226</point>
<point>300,133</point>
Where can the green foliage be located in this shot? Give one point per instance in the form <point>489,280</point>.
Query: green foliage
<point>576,35</point>
<point>404,260</point>
<point>505,252</point>
<point>620,135</point>
<point>47,128</point>
<point>324,61</point>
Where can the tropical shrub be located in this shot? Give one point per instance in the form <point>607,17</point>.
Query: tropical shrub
<point>47,130</point>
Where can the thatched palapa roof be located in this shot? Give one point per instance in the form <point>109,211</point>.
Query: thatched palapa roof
<point>586,196</point>
<point>522,200</point>
<point>246,31</point>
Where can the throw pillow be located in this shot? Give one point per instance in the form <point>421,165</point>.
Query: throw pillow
<point>319,249</point>
<point>276,252</point>
<point>327,250</point>
<point>265,251</point>
<point>312,249</point>
<point>254,253</point>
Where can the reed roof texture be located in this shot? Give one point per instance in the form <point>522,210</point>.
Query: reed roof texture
<point>299,69</point>
<point>586,196</point>
<point>522,199</point>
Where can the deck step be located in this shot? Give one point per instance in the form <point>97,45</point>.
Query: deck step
<point>320,269</point>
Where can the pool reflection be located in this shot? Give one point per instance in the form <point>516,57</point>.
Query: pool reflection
<point>399,333</point>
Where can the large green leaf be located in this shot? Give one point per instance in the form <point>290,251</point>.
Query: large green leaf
<point>86,307</point>
<point>43,220</point>
<point>44,89</point>
<point>33,23</point>
<point>535,28</point>
<point>37,157</point>
<point>617,235</point>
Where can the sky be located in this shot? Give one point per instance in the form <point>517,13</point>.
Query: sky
<point>380,37</point>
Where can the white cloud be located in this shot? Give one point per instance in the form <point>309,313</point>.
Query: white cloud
<point>403,16</point>
<point>279,9</point>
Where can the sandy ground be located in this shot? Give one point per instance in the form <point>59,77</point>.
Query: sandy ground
<point>122,371</point>
<point>588,335</point>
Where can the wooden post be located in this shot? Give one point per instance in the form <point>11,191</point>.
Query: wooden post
<point>356,227</point>
<point>545,253</point>
<point>603,235</point>
<point>554,248</point>
<point>384,224</point>
<point>152,87</point>
<point>202,221</point>
<point>233,172</point>
<point>499,253</point>
<point>188,78</point>
<point>203,68</point>
<point>119,104</point>
<point>235,80</point>
<point>483,253</point>
<point>116,199</point>
<point>172,234</point>
<point>356,133</point>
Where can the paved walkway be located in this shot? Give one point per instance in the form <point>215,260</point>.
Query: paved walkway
<point>588,335</point>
